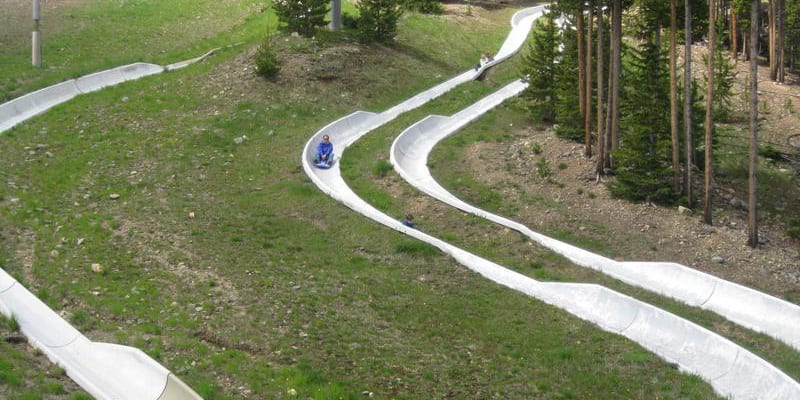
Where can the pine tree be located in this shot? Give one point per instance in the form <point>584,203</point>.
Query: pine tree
<point>644,160</point>
<point>568,110</point>
<point>539,65</point>
<point>378,20</point>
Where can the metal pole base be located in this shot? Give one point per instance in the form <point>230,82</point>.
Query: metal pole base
<point>36,51</point>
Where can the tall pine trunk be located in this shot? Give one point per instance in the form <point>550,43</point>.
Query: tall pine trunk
<point>752,215</point>
<point>587,118</point>
<point>617,71</point>
<point>708,169</point>
<point>746,47</point>
<point>581,50</point>
<point>673,95</point>
<point>610,89</point>
<point>772,51</point>
<point>780,40</point>
<point>687,104</point>
<point>601,136</point>
<point>734,36</point>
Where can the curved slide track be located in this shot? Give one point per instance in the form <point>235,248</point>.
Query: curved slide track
<point>104,370</point>
<point>32,104</point>
<point>742,305</point>
<point>729,368</point>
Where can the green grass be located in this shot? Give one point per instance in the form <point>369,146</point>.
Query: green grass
<point>272,287</point>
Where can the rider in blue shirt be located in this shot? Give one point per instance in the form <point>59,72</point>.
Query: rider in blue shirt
<point>324,151</point>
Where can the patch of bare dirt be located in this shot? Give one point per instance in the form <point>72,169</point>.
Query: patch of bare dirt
<point>308,69</point>
<point>25,254</point>
<point>156,247</point>
<point>465,13</point>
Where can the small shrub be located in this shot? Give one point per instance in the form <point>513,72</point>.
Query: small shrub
<point>302,16</point>
<point>592,195</point>
<point>54,388</point>
<point>562,166</point>
<point>416,247</point>
<point>425,6</point>
<point>267,64</point>
<point>794,228</point>
<point>381,168</point>
<point>82,320</point>
<point>789,106</point>
<point>12,323</point>
<point>580,191</point>
<point>543,168</point>
<point>378,21</point>
<point>770,152</point>
<point>536,148</point>
<point>349,21</point>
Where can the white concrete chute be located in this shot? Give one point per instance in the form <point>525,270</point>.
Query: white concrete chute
<point>115,76</point>
<point>112,371</point>
<point>757,311</point>
<point>34,103</point>
<point>22,108</point>
<point>749,308</point>
<point>106,371</point>
<point>29,312</point>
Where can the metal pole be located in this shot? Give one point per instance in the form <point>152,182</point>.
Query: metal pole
<point>336,15</point>
<point>36,50</point>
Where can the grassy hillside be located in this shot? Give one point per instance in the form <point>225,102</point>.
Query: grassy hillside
<point>83,36</point>
<point>224,262</point>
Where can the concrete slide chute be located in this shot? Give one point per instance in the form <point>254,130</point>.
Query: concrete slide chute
<point>115,76</point>
<point>104,370</point>
<point>749,308</point>
<point>693,348</point>
<point>22,108</point>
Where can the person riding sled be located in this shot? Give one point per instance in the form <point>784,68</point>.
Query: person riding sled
<point>324,156</point>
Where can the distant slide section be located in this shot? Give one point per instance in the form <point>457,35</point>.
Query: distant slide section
<point>742,305</point>
<point>32,104</point>
<point>729,368</point>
